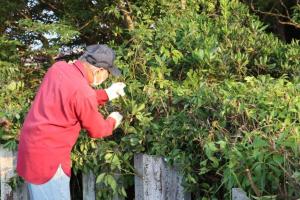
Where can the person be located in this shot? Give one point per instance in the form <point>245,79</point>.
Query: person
<point>64,104</point>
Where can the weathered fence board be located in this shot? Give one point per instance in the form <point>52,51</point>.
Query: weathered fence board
<point>239,194</point>
<point>7,170</point>
<point>156,180</point>
<point>88,184</point>
<point>21,193</point>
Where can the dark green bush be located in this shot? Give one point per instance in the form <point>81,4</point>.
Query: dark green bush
<point>207,88</point>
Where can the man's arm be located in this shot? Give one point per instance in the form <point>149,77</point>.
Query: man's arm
<point>102,97</point>
<point>86,109</point>
<point>110,93</point>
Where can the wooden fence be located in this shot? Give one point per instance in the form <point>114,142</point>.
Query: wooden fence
<point>154,180</point>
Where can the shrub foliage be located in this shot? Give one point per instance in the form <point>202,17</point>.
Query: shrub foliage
<point>207,88</point>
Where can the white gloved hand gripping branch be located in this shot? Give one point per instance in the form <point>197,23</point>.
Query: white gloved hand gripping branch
<point>116,116</point>
<point>115,90</point>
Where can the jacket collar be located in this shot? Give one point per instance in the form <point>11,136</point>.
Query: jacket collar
<point>80,67</point>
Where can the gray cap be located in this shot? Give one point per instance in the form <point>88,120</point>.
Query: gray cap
<point>100,55</point>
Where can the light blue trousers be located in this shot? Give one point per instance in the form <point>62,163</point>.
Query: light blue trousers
<point>57,188</point>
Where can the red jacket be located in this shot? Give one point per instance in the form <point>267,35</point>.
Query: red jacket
<point>63,105</point>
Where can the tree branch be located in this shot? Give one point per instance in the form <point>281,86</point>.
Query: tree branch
<point>87,23</point>
<point>127,14</point>
<point>286,10</point>
<point>289,20</point>
<point>253,186</point>
<point>183,4</point>
<point>296,25</point>
<point>49,4</point>
<point>44,40</point>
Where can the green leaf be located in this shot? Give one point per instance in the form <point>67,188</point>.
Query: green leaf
<point>123,192</point>
<point>100,177</point>
<point>259,143</point>
<point>111,182</point>
<point>116,162</point>
<point>278,158</point>
<point>108,157</point>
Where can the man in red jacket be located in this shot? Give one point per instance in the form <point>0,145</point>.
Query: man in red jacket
<point>64,104</point>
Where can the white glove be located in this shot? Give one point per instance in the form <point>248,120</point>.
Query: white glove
<point>115,90</point>
<point>116,116</point>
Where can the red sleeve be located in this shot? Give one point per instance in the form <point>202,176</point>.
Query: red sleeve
<point>90,119</point>
<point>102,97</point>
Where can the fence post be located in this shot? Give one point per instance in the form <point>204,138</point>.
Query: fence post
<point>88,185</point>
<point>6,172</point>
<point>21,193</point>
<point>156,180</point>
<point>7,168</point>
<point>239,194</point>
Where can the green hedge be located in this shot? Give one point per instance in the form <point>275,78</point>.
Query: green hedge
<point>207,88</point>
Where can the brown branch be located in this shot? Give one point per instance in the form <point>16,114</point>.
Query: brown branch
<point>253,186</point>
<point>24,13</point>
<point>286,10</point>
<point>267,13</point>
<point>296,25</point>
<point>129,6</point>
<point>86,24</point>
<point>126,14</point>
<point>49,4</point>
<point>183,4</point>
<point>44,40</point>
<point>287,17</point>
<point>289,176</point>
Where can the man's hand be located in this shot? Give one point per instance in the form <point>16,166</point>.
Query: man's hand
<point>116,116</point>
<point>115,90</point>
